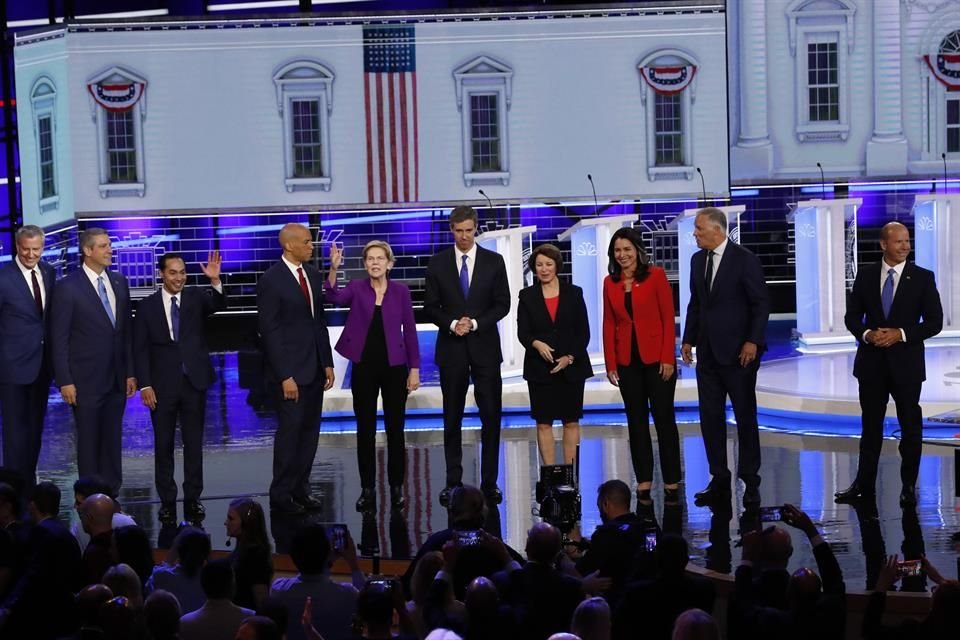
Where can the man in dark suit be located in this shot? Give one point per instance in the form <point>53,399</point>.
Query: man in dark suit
<point>93,355</point>
<point>299,365</point>
<point>26,290</point>
<point>467,293</point>
<point>892,309</point>
<point>726,322</point>
<point>174,372</point>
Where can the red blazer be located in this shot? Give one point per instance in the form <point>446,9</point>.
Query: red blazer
<point>652,320</point>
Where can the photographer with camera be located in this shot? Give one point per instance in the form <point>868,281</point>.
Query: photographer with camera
<point>943,619</point>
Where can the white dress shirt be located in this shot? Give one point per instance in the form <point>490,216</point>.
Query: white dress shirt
<point>717,257</point>
<point>296,276</point>
<point>29,278</point>
<point>111,296</point>
<point>897,272</point>
<point>471,264</point>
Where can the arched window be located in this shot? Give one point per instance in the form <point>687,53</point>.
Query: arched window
<point>668,91</point>
<point>43,98</point>
<point>118,103</point>
<point>305,101</point>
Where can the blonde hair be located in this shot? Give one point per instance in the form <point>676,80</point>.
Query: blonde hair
<point>378,244</point>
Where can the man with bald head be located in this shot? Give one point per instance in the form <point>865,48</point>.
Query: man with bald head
<point>893,307</point>
<point>299,365</point>
<point>96,517</point>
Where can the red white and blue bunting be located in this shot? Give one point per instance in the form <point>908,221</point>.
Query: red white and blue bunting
<point>668,80</point>
<point>945,67</point>
<point>117,96</point>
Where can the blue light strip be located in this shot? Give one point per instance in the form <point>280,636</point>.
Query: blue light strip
<point>910,186</point>
<point>744,193</point>
<point>818,189</point>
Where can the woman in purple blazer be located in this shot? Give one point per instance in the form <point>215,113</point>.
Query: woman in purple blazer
<point>380,339</point>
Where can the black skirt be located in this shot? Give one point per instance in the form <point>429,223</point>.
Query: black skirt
<point>559,399</point>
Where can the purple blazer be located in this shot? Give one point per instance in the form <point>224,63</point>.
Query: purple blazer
<point>399,326</point>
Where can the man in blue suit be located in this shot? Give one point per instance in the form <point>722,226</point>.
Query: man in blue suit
<point>893,307</point>
<point>26,290</point>
<point>726,322</point>
<point>174,373</point>
<point>93,355</point>
<point>299,365</point>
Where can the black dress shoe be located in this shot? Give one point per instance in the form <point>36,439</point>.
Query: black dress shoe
<point>310,503</point>
<point>714,492</point>
<point>289,506</point>
<point>367,502</point>
<point>167,512</point>
<point>445,494</point>
<point>397,503</point>
<point>908,496</point>
<point>193,510</point>
<point>643,497</point>
<point>751,497</point>
<point>671,496</point>
<point>494,496</point>
<point>854,492</point>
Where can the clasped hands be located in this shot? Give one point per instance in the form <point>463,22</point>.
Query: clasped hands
<point>883,337</point>
<point>546,352</point>
<point>463,327</point>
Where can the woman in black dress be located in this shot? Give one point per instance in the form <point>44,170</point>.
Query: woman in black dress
<point>552,326</point>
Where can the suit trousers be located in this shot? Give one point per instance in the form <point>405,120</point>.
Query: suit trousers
<point>367,382</point>
<point>715,382</point>
<point>487,391</point>
<point>643,392</point>
<point>874,395</point>
<point>99,428</point>
<point>183,402</point>
<point>295,444</point>
<point>23,408</point>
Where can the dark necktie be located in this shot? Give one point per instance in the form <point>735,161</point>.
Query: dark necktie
<point>304,288</point>
<point>175,318</point>
<point>37,298</point>
<point>464,277</point>
<point>886,296</point>
<point>709,270</point>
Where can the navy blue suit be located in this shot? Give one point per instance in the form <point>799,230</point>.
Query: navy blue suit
<point>97,357</point>
<point>180,374</point>
<point>898,370</point>
<point>735,310</point>
<point>24,367</point>
<point>296,345</point>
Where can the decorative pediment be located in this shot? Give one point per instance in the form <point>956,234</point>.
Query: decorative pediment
<point>117,89</point>
<point>307,76</point>
<point>483,69</point>
<point>819,10</point>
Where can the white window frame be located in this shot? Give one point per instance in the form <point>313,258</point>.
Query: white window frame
<point>119,75</point>
<point>809,22</point>
<point>484,75</point>
<point>669,57</point>
<point>305,80</point>
<point>43,98</point>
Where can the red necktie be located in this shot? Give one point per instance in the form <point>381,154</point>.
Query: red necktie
<point>36,291</point>
<point>304,288</point>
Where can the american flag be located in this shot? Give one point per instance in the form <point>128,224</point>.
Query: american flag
<point>390,102</point>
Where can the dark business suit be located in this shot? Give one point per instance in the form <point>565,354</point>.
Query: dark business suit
<point>735,310</point>
<point>898,370</point>
<point>180,374</point>
<point>24,366</point>
<point>475,356</point>
<point>97,357</point>
<point>296,345</point>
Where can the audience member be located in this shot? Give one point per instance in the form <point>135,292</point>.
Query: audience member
<point>134,549</point>
<point>161,614</point>
<point>564,636</point>
<point>123,581</point>
<point>253,558</point>
<point>96,516</point>
<point>543,597</point>
<point>258,628</point>
<point>85,487</point>
<point>218,618</point>
<point>9,536</point>
<point>696,624</point>
<point>420,590</point>
<point>50,576</point>
<point>121,621</point>
<point>334,603</point>
<point>486,615</point>
<point>655,604</point>
<point>941,623</point>
<point>192,549</point>
<point>375,606</point>
<point>276,610</point>
<point>591,620</point>
<point>443,634</point>
<point>88,603</point>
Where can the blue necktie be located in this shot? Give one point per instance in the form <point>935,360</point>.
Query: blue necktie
<point>175,318</point>
<point>102,289</point>
<point>886,296</point>
<point>464,277</point>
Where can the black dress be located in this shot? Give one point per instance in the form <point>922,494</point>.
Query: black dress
<point>559,399</point>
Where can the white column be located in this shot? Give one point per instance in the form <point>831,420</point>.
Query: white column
<point>887,149</point>
<point>752,156</point>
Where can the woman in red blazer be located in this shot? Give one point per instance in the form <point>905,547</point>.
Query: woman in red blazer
<point>639,347</point>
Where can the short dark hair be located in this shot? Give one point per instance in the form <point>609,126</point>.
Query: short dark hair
<point>161,612</point>
<point>466,507</point>
<point>375,604</point>
<point>13,478</point>
<point>547,251</point>
<point>162,262</point>
<point>274,608</point>
<point>462,213</point>
<point>46,497</point>
<point>89,485</point>
<point>643,261</point>
<point>616,491</point>
<point>217,579</point>
<point>87,235</point>
<point>310,549</point>
<point>263,628</point>
<point>193,549</point>
<point>672,554</point>
<point>9,495</point>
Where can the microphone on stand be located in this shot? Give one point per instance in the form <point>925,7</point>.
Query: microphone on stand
<point>703,186</point>
<point>943,156</point>
<point>823,182</point>
<point>596,206</point>
<point>489,202</point>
